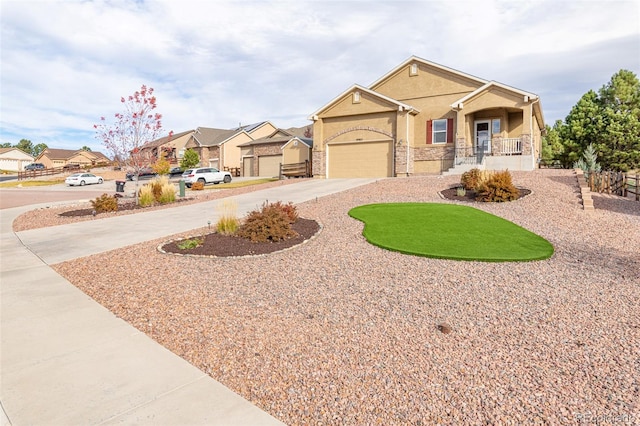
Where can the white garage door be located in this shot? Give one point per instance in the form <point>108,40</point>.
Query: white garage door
<point>269,165</point>
<point>360,160</point>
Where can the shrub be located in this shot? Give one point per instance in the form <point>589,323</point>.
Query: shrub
<point>288,209</point>
<point>105,203</point>
<point>189,244</point>
<point>498,188</point>
<point>460,191</point>
<point>469,179</point>
<point>145,196</point>
<point>270,223</point>
<point>228,223</point>
<point>197,186</point>
<point>168,194</point>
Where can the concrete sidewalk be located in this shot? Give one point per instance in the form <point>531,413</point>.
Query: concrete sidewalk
<point>66,360</point>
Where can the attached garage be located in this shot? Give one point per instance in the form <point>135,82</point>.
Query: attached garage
<point>269,165</point>
<point>360,159</point>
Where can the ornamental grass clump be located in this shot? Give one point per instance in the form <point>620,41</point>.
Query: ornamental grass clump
<point>105,203</point>
<point>145,196</point>
<point>228,223</point>
<point>271,223</point>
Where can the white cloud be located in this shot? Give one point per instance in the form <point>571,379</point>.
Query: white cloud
<point>215,64</point>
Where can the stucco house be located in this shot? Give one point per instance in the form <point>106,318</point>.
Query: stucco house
<point>52,157</point>
<point>14,159</point>
<point>220,148</point>
<point>173,147</point>
<point>263,156</point>
<point>424,118</point>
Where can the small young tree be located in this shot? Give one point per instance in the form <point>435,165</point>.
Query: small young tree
<point>189,159</point>
<point>134,127</point>
<point>589,162</point>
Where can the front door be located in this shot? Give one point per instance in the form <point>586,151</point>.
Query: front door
<point>482,136</point>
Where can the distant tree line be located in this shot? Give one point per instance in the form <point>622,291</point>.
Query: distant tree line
<point>607,120</point>
<point>27,146</point>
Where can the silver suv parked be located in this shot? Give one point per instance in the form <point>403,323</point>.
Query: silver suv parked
<point>205,175</point>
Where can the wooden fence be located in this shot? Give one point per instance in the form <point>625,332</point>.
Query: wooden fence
<point>617,183</point>
<point>55,170</point>
<point>295,169</point>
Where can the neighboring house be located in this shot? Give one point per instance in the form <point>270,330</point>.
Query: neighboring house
<point>423,118</point>
<point>14,159</point>
<point>262,157</point>
<point>172,147</point>
<point>220,148</point>
<point>52,157</point>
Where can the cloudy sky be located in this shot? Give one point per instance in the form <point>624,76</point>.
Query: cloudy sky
<point>64,64</point>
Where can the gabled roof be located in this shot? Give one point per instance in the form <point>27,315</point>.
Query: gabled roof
<point>307,141</point>
<point>165,139</point>
<point>487,86</point>
<point>5,150</point>
<point>251,127</point>
<point>206,136</point>
<point>58,154</point>
<point>280,136</point>
<point>413,59</point>
<point>527,97</point>
<point>356,87</point>
<point>66,154</point>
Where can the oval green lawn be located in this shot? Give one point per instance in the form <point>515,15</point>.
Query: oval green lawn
<point>449,231</point>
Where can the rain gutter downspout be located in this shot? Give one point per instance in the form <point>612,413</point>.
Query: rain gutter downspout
<point>407,129</point>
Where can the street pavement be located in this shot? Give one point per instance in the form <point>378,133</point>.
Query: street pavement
<point>66,360</point>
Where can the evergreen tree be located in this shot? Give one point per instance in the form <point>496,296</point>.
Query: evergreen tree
<point>189,159</point>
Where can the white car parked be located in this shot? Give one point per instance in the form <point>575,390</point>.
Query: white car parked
<point>82,179</point>
<point>205,175</point>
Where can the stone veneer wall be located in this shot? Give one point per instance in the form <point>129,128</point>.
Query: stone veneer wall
<point>318,164</point>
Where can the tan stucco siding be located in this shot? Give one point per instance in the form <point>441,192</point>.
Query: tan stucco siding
<point>368,104</point>
<point>231,152</point>
<point>514,125</point>
<point>263,131</point>
<point>293,153</point>
<point>428,82</point>
<point>494,98</point>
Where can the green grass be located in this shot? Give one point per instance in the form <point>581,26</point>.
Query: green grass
<point>449,231</point>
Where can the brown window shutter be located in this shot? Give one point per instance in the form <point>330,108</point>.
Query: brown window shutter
<point>429,131</point>
<point>450,130</point>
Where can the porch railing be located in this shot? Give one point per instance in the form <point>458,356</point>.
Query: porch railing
<point>467,155</point>
<point>510,146</point>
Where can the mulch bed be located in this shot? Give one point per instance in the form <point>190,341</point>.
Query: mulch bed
<point>224,245</point>
<point>470,195</point>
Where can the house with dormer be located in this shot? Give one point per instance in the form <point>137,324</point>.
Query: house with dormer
<point>425,118</point>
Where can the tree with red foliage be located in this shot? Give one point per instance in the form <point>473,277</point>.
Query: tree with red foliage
<point>137,125</point>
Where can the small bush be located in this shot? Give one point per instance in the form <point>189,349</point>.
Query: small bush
<point>270,223</point>
<point>189,244</point>
<point>228,223</point>
<point>145,196</point>
<point>498,188</point>
<point>105,203</point>
<point>460,191</point>
<point>288,209</point>
<point>197,186</point>
<point>470,179</point>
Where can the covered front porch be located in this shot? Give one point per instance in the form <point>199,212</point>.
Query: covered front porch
<point>498,128</point>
